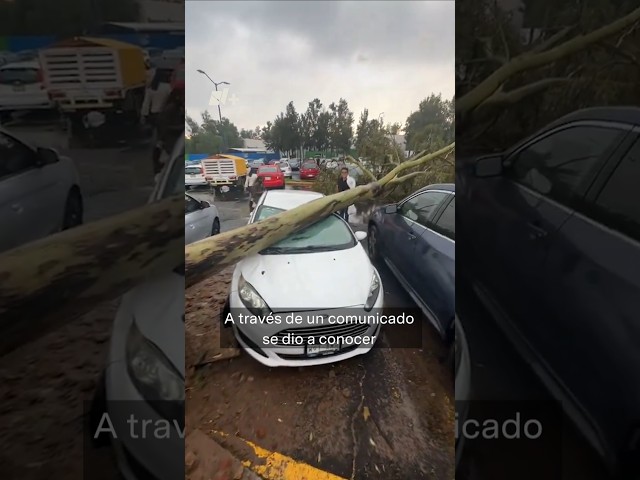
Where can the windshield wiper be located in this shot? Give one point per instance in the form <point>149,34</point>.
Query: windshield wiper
<point>314,248</point>
<point>276,250</point>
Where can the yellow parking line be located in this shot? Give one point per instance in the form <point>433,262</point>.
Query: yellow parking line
<point>280,467</point>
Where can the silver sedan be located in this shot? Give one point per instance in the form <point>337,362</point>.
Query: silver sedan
<point>201,220</point>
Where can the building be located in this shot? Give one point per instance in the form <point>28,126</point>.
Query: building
<point>161,10</point>
<point>254,143</point>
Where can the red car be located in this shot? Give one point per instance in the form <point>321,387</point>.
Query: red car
<point>309,170</point>
<point>271,175</point>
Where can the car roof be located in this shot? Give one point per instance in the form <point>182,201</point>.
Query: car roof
<point>288,199</point>
<point>607,114</point>
<point>449,187</point>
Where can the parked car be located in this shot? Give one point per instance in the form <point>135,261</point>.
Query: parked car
<point>551,232</point>
<point>256,163</point>
<point>416,239</point>
<point>22,88</point>
<point>144,372</point>
<point>194,176</point>
<point>309,170</point>
<point>462,369</point>
<point>39,192</point>
<point>201,220</point>
<point>285,168</point>
<point>295,164</point>
<point>271,176</point>
<point>332,251</point>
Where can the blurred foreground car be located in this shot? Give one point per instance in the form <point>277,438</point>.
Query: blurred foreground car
<point>462,369</point>
<point>39,192</point>
<point>416,239</point>
<point>271,176</point>
<point>201,220</point>
<point>22,89</point>
<point>276,281</point>
<point>552,246</point>
<point>144,376</point>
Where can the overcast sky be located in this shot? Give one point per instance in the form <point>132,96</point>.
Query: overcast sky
<point>382,55</point>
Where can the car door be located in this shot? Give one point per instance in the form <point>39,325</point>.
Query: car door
<point>27,195</point>
<point>196,221</point>
<point>592,298</point>
<point>434,260</point>
<point>543,180</point>
<point>403,228</point>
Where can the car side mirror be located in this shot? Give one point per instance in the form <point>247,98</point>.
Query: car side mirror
<point>361,235</point>
<point>391,209</point>
<point>488,166</point>
<point>47,156</point>
<point>204,204</point>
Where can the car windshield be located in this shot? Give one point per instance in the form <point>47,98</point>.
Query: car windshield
<point>9,76</point>
<point>268,170</point>
<point>329,234</point>
<point>192,170</point>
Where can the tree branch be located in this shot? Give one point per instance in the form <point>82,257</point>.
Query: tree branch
<point>349,158</point>
<point>552,40</point>
<point>211,255</point>
<point>511,97</point>
<point>528,61</point>
<point>50,282</point>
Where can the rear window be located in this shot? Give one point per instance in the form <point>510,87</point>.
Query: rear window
<point>268,170</point>
<point>191,170</point>
<point>10,76</point>
<point>309,165</point>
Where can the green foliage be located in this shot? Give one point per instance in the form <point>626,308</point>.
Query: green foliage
<point>432,126</point>
<point>211,136</point>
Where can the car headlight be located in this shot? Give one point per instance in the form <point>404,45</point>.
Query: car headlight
<point>251,299</point>
<point>374,291</point>
<point>154,376</point>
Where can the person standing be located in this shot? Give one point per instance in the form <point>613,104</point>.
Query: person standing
<point>153,105</point>
<point>345,182</point>
<point>250,185</point>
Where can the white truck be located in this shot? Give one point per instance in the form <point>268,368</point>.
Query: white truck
<point>97,84</point>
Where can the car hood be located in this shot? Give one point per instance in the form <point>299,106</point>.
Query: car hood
<point>309,281</point>
<point>158,310</point>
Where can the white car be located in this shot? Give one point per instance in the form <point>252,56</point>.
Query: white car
<point>285,168</point>
<point>22,88</point>
<point>201,220</point>
<point>39,192</point>
<point>144,374</point>
<point>283,280</point>
<point>194,176</point>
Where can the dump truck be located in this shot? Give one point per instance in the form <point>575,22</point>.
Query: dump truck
<point>225,173</point>
<point>97,84</point>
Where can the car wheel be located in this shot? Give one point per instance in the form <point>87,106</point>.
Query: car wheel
<point>73,210</point>
<point>215,229</point>
<point>373,243</point>
<point>97,409</point>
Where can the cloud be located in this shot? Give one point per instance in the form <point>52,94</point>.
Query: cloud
<point>384,56</point>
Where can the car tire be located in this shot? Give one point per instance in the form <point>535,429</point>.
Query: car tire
<point>97,409</point>
<point>373,243</point>
<point>215,229</point>
<point>73,210</point>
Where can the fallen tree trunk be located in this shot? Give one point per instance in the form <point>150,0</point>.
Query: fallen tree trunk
<point>52,281</point>
<point>211,255</point>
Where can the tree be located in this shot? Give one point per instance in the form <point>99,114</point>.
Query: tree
<point>210,135</point>
<point>340,126</point>
<point>248,134</point>
<point>432,122</point>
<point>291,129</point>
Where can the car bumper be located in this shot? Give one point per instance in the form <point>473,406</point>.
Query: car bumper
<point>309,176</point>
<point>273,184</point>
<point>153,458</point>
<point>195,181</point>
<point>250,340</point>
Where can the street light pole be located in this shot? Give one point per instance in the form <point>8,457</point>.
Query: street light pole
<point>215,84</point>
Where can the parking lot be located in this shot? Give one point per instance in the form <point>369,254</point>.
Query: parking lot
<point>388,414</point>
